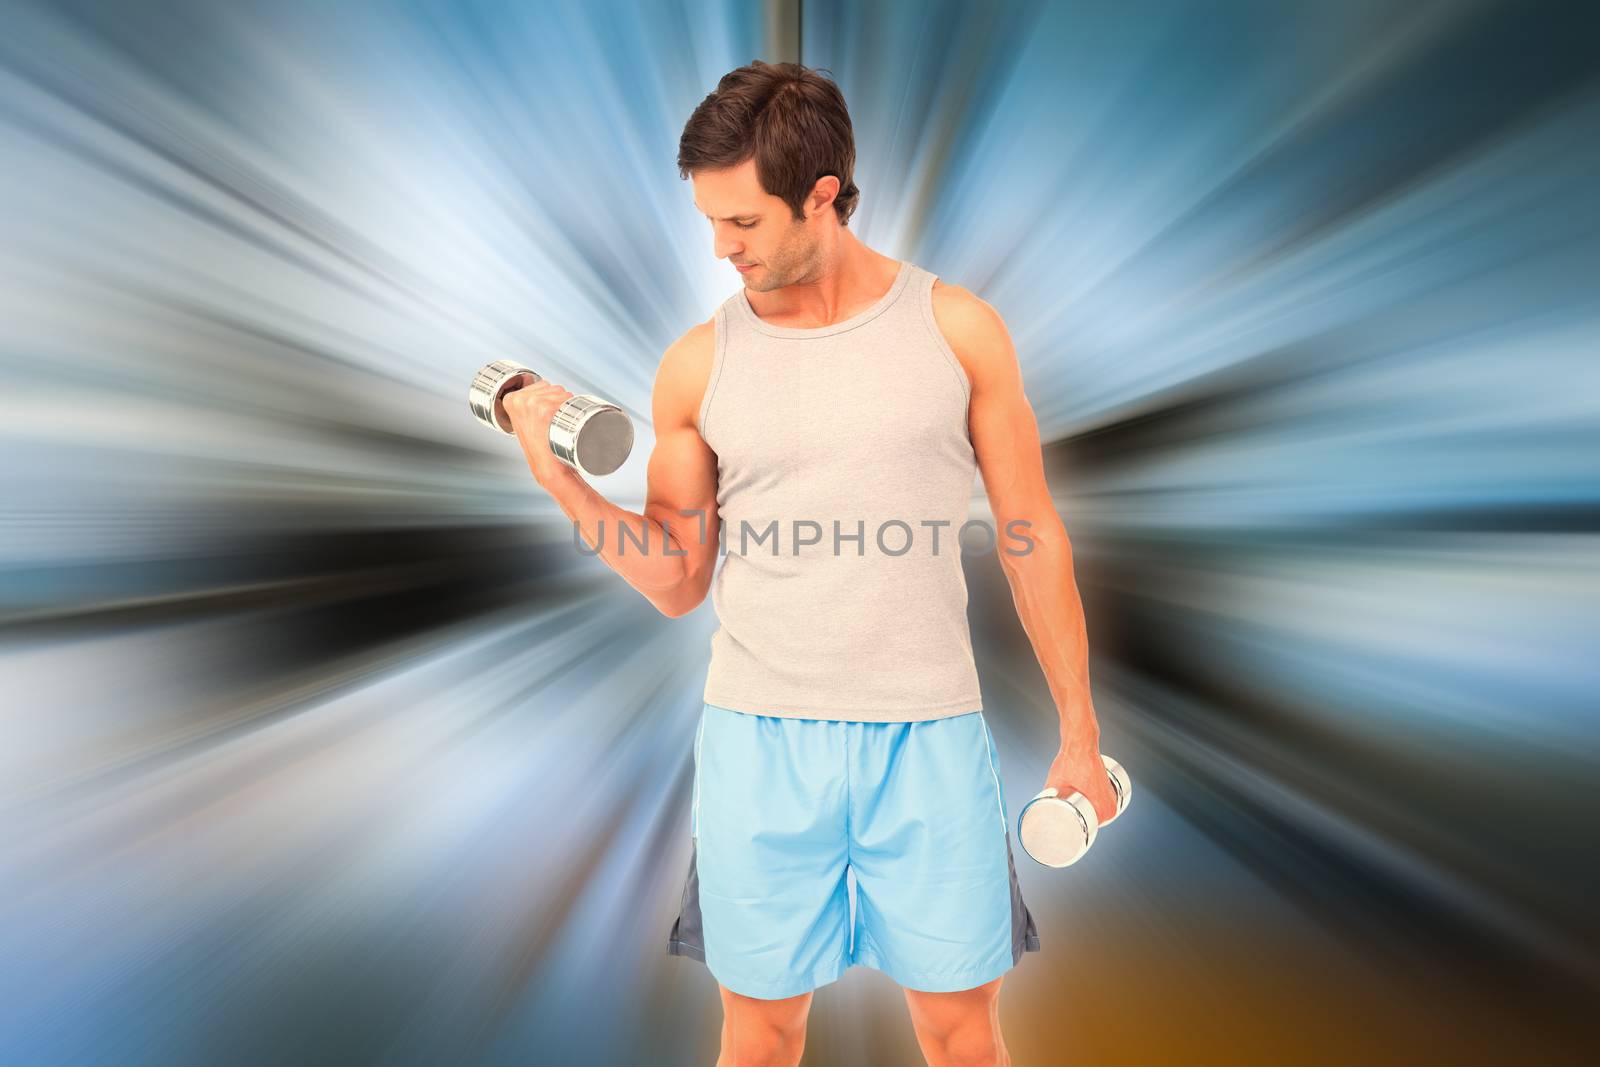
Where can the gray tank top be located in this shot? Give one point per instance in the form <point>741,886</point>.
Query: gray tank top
<point>844,475</point>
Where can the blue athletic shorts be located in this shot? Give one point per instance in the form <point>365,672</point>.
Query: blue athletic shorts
<point>783,808</point>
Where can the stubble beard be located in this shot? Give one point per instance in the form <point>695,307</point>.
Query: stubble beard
<point>789,265</point>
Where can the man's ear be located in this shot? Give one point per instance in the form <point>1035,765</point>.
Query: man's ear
<point>822,193</point>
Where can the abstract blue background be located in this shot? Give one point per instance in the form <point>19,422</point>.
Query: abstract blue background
<point>320,743</point>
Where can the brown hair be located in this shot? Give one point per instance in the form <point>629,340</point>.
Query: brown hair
<point>790,118</point>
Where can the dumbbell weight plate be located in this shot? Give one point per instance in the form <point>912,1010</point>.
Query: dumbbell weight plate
<point>1122,784</point>
<point>1055,830</point>
<point>488,390</point>
<point>591,434</point>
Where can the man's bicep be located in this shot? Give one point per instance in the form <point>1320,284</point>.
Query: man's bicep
<point>1005,438</point>
<point>681,478</point>
<point>682,491</point>
<point>1004,431</point>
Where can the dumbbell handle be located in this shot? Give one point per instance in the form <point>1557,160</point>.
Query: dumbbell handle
<point>591,435</point>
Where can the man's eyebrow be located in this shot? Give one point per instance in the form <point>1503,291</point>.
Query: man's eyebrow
<point>734,218</point>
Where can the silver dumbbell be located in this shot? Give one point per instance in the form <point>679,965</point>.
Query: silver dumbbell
<point>1056,831</point>
<point>587,433</point>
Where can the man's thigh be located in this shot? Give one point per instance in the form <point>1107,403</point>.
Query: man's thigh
<point>938,1015</point>
<point>786,1016</point>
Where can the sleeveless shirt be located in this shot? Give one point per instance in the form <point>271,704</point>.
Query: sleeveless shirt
<point>844,475</point>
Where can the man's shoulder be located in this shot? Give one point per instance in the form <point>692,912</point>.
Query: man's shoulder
<point>693,350</point>
<point>684,371</point>
<point>971,326</point>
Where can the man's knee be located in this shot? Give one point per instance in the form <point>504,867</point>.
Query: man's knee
<point>974,1045</point>
<point>956,1029</point>
<point>759,1033</point>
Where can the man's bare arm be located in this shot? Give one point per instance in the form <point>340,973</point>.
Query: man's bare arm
<point>679,526</point>
<point>1005,439</point>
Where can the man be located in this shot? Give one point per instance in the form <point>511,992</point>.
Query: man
<point>835,410</point>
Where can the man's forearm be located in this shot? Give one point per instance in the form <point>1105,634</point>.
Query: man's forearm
<point>657,570</point>
<point>1046,595</point>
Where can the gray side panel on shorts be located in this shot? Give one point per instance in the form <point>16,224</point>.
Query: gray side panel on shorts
<point>688,934</point>
<point>1024,935</point>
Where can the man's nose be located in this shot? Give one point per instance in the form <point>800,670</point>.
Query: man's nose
<point>724,249</point>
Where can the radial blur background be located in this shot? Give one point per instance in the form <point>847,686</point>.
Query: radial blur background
<point>320,742</point>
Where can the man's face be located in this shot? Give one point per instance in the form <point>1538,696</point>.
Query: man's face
<point>751,226</point>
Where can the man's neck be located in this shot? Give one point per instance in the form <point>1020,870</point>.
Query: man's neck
<point>856,279</point>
